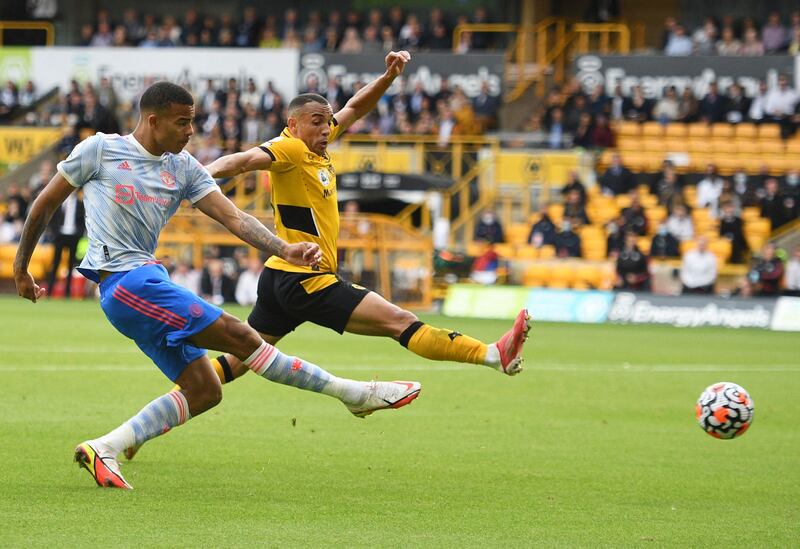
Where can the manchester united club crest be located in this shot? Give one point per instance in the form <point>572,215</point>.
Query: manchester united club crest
<point>168,179</point>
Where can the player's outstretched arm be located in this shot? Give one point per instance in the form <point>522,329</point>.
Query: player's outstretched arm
<point>43,208</point>
<point>367,97</point>
<point>217,206</point>
<point>241,162</point>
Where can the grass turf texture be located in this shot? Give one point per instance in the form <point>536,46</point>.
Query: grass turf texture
<point>595,444</point>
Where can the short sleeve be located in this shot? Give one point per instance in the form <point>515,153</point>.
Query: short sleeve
<point>199,182</point>
<point>83,163</point>
<point>286,152</point>
<point>336,130</point>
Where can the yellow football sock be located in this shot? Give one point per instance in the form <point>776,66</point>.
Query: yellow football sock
<point>440,344</point>
<point>221,367</point>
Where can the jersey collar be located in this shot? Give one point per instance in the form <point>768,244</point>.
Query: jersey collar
<point>141,148</point>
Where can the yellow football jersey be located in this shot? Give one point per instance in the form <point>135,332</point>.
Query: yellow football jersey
<point>305,203</point>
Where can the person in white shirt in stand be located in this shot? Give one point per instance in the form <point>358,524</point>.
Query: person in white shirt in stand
<point>699,269</point>
<point>247,286</point>
<point>792,276</point>
<point>709,190</point>
<point>680,224</point>
<point>780,105</point>
<point>186,277</point>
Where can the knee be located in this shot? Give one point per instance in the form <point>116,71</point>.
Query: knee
<point>243,339</point>
<point>211,395</point>
<point>400,320</point>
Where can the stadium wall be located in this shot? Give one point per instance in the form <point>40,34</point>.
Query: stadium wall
<point>504,302</point>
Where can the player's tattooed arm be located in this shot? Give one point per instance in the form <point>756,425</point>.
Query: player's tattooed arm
<point>238,163</point>
<point>41,211</point>
<point>218,206</point>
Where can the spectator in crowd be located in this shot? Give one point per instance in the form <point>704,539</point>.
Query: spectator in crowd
<point>639,108</point>
<point>745,187</point>
<point>634,215</point>
<point>67,226</point>
<point>732,229</point>
<point>699,269</point>
<point>689,107</point>
<point>602,135</point>
<point>709,190</point>
<point>773,204</point>
<point>705,37</point>
<point>752,46</point>
<point>484,267</point>
<point>42,177</point>
<point>774,34</point>
<point>667,109</point>
<point>582,136</point>
<point>216,286</point>
<point>574,208</point>
<point>557,129</point>
<point>794,44</point>
<point>247,285</point>
<point>678,44</point>
<point>11,225</point>
<point>632,269</point>
<point>669,29</point>
<point>617,179</point>
<point>618,104</point>
<point>713,106</point>
<point>186,276</point>
<point>489,229</point>
<point>27,96</point>
<point>737,105</point>
<point>616,237</point>
<point>792,279</point>
<point>574,184</point>
<point>728,44</point>
<point>598,101</point>
<point>8,98</point>
<point>758,104</point>
<point>486,107</point>
<point>543,232</point>
<point>667,184</point>
<point>766,272</point>
<point>680,224</point>
<point>780,105</point>
<point>567,241</point>
<point>664,245</point>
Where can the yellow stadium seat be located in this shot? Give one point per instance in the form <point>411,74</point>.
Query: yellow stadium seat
<point>751,213</point>
<point>687,245</point>
<point>755,241</point>
<point>675,144</point>
<point>630,129</point>
<point>653,145</point>
<point>556,213</point>
<point>652,129</point>
<point>527,252</point>
<point>769,131</point>
<point>723,145</point>
<point>518,233</point>
<point>476,249</point>
<point>699,145</point>
<point>505,251</point>
<point>655,215</point>
<point>594,248</point>
<point>699,129</point>
<point>722,130</point>
<point>771,146</point>
<point>759,226</point>
<point>721,248</point>
<point>746,146</point>
<point>644,242</point>
<point>537,274</point>
<point>623,201</point>
<point>745,130</point>
<point>547,252</point>
<point>562,276</point>
<point>589,274</point>
<point>676,130</point>
<point>625,144</point>
<point>793,146</point>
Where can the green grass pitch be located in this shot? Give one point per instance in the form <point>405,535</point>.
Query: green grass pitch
<point>595,444</point>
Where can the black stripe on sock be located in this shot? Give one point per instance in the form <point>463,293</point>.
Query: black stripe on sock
<point>405,337</point>
<point>226,369</point>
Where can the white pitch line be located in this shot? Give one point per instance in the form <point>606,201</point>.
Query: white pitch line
<point>542,367</point>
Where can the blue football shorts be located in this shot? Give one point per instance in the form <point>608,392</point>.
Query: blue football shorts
<point>157,314</point>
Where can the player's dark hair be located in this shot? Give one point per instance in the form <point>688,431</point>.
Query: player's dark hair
<point>161,95</point>
<point>304,99</point>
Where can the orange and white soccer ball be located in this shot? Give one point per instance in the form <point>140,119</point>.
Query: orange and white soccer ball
<point>725,410</point>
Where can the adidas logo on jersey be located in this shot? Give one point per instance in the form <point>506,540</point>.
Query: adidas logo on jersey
<point>124,166</point>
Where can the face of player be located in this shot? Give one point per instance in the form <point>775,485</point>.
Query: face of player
<point>311,126</point>
<point>172,127</point>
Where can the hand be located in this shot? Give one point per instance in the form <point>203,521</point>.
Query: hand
<point>304,254</point>
<point>27,287</point>
<point>396,62</point>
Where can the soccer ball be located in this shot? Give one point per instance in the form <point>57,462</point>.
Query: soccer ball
<point>725,410</point>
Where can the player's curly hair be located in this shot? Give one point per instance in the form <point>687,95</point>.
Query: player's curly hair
<point>161,95</point>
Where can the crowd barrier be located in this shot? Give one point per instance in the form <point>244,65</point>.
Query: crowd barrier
<point>591,306</point>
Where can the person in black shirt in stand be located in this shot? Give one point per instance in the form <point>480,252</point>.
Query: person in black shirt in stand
<point>664,245</point>
<point>732,229</point>
<point>543,232</point>
<point>766,272</point>
<point>66,227</point>
<point>632,268</point>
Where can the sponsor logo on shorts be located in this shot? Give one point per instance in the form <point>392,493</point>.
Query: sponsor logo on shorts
<point>195,310</point>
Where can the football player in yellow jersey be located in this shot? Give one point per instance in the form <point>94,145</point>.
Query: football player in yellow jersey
<point>304,199</point>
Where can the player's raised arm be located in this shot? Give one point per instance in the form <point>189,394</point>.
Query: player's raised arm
<point>241,162</point>
<point>367,97</point>
<point>217,206</point>
<point>43,208</point>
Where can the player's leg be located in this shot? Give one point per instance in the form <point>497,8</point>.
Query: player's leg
<point>376,316</point>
